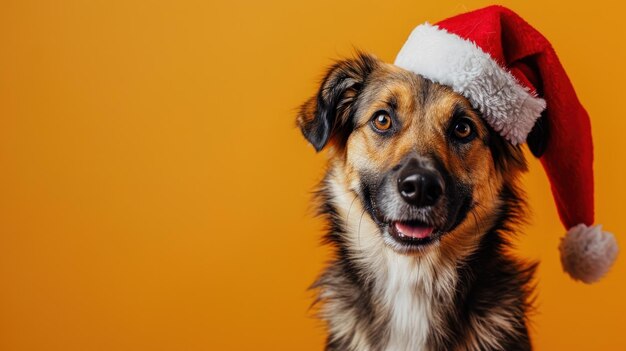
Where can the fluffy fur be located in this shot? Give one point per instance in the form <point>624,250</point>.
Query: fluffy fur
<point>460,289</point>
<point>375,299</point>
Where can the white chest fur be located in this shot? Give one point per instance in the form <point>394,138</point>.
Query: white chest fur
<point>408,302</point>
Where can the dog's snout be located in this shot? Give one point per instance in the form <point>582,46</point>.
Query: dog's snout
<point>418,185</point>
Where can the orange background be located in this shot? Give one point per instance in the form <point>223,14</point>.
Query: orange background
<point>154,192</point>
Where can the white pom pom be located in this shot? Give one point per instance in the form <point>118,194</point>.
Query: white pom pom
<point>587,253</point>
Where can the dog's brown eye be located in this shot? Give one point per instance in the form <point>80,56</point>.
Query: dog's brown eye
<point>382,121</point>
<point>462,129</point>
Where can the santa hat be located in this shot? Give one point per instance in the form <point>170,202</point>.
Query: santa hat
<point>511,74</point>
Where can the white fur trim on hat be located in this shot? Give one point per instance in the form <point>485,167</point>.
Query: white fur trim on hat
<point>443,57</point>
<point>587,253</point>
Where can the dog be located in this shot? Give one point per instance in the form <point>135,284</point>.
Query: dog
<point>422,198</point>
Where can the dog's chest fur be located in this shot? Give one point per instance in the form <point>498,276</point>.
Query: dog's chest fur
<point>406,302</point>
<point>408,293</point>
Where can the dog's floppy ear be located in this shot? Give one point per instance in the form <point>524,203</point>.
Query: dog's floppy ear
<point>328,113</point>
<point>537,139</point>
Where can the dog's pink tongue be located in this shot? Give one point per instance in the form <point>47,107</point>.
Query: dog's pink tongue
<point>413,231</point>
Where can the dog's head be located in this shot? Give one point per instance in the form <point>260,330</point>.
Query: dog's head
<point>419,158</point>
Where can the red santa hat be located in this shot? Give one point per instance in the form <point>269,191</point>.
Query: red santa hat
<point>510,72</point>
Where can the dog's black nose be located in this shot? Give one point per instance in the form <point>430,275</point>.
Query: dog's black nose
<point>419,186</point>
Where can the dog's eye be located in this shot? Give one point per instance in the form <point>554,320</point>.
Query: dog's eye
<point>463,130</point>
<point>381,121</point>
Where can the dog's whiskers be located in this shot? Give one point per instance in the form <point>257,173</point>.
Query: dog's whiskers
<point>359,231</point>
<point>350,208</point>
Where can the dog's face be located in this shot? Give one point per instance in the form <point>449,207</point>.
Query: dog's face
<point>419,158</point>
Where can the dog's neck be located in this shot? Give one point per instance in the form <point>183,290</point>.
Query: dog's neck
<point>411,289</point>
<point>376,299</point>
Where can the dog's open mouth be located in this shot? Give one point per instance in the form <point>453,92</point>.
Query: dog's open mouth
<point>411,233</point>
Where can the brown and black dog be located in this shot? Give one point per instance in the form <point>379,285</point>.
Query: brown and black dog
<point>421,197</point>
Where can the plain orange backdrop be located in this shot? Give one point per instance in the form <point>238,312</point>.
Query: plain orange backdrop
<point>154,191</point>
